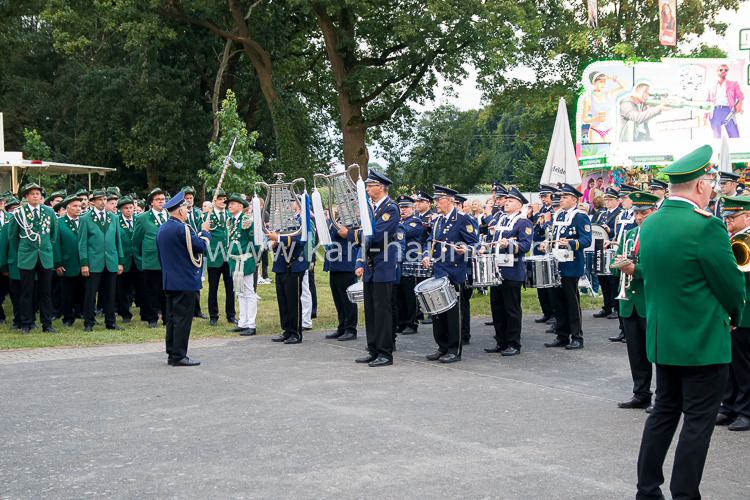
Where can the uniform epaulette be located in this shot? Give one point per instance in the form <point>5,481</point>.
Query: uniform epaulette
<point>704,213</point>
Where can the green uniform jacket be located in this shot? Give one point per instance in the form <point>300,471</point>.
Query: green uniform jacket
<point>66,247</point>
<point>126,240</point>
<point>195,219</point>
<point>636,302</point>
<point>240,241</point>
<point>99,242</point>
<point>693,286</point>
<point>217,248</point>
<point>36,244</point>
<point>7,255</point>
<point>144,242</point>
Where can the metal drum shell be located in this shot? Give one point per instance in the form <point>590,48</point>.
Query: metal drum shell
<point>436,295</point>
<point>356,293</point>
<point>484,271</point>
<point>542,272</point>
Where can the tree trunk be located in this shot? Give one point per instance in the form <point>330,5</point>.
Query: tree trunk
<point>152,176</point>
<point>218,87</point>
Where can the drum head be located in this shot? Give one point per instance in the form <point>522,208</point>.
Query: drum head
<point>430,284</point>
<point>598,232</point>
<point>356,287</point>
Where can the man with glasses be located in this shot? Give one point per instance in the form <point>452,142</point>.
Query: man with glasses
<point>694,291</point>
<point>147,259</point>
<point>727,99</point>
<point>658,188</point>
<point>728,187</point>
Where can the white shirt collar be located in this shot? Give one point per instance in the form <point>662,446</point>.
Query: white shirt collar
<point>377,204</point>
<point>450,214</point>
<point>680,198</point>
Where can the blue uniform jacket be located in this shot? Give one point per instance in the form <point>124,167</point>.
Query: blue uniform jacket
<point>457,228</point>
<point>580,231</point>
<point>627,219</point>
<point>416,235</point>
<point>380,260</point>
<point>522,232</point>
<point>178,271</point>
<point>609,219</point>
<point>341,254</point>
<point>540,228</point>
<point>426,219</point>
<point>290,255</point>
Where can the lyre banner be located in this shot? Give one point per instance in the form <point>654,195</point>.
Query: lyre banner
<point>668,22</point>
<point>593,15</point>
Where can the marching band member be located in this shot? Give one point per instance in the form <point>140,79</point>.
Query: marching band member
<point>542,222</point>
<point>457,230</point>
<point>694,292</point>
<point>414,232</point>
<point>377,266</point>
<point>572,232</point>
<point>340,259</point>
<point>242,264</point>
<point>513,235</point>
<point>658,188</point>
<point>425,213</point>
<point>608,282</point>
<point>625,222</point>
<point>735,406</point>
<point>466,292</point>
<point>728,187</point>
<point>633,307</point>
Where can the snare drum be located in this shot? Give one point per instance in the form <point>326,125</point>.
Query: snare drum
<point>415,269</point>
<point>436,295</point>
<point>541,272</point>
<point>356,293</point>
<point>484,271</point>
<point>602,260</point>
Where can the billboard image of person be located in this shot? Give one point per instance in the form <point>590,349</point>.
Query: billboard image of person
<point>668,23</point>
<point>727,99</point>
<point>599,105</point>
<point>636,112</point>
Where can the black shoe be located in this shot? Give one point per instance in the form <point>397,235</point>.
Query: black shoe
<point>67,323</point>
<point>293,339</point>
<point>237,329</point>
<point>449,358</point>
<point>213,322</point>
<point>434,356</point>
<point>399,329</point>
<point>543,319</point>
<point>153,324</point>
<point>313,315</point>
<point>495,350</point>
<point>511,351</point>
<point>551,329</point>
<point>618,338</point>
<point>723,419</point>
<point>200,316</point>
<point>185,362</point>
<point>741,423</point>
<point>366,359</point>
<point>232,319</point>
<point>306,328</point>
<point>635,402</point>
<point>334,335</point>
<point>575,344</point>
<point>49,329</point>
<point>650,409</point>
<point>280,338</point>
<point>115,327</point>
<point>489,323</point>
<point>409,330</point>
<point>25,330</point>
<point>602,314</point>
<point>126,320</point>
<point>247,332</point>
<point>613,315</point>
<point>348,336</point>
<point>380,361</point>
<point>558,342</point>
<point>88,328</point>
<point>551,321</point>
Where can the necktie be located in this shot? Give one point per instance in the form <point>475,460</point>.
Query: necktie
<point>161,218</point>
<point>36,213</point>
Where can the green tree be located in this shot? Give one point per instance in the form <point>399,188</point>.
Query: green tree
<point>34,147</point>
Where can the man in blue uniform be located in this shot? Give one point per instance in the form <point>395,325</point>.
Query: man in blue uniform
<point>624,223</point>
<point>658,188</point>
<point>339,264</point>
<point>466,291</point>
<point>571,233</point>
<point>425,213</point>
<point>414,234</point>
<point>448,245</point>
<point>181,254</point>
<point>377,265</point>
<point>609,282</point>
<point>542,221</point>
<point>512,239</point>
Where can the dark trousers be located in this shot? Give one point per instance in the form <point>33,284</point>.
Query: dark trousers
<point>545,301</point>
<point>14,290</point>
<point>179,316</point>
<point>736,399</point>
<point>37,280</point>
<point>153,300</point>
<point>506,314</point>
<point>4,280</point>
<point>379,318</point>
<point>73,291</point>
<point>465,303</point>
<point>127,282</point>
<point>56,295</point>
<point>105,283</point>
<point>197,307</point>
<point>694,391</point>
<point>406,300</point>
<point>264,264</point>
<point>446,328</point>
<point>609,286</point>
<point>313,291</point>
<point>214,275</point>
<point>567,309</point>
<point>640,366</point>
<point>288,295</point>
<point>346,311</point>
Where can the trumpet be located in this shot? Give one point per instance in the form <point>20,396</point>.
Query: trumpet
<point>625,279</point>
<point>741,249</point>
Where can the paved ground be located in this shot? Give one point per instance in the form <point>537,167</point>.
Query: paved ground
<point>261,420</point>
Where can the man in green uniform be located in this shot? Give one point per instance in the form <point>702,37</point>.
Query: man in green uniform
<point>694,291</point>
<point>127,282</point>
<point>218,262</point>
<point>633,307</point>
<point>146,255</point>
<point>8,266</point>
<point>242,262</point>
<point>194,220</point>
<point>68,262</point>
<point>31,233</point>
<point>101,260</point>
<point>735,406</point>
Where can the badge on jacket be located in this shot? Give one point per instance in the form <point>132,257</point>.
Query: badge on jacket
<point>469,228</point>
<point>386,217</point>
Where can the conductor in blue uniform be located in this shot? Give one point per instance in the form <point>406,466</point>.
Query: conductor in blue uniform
<point>181,252</point>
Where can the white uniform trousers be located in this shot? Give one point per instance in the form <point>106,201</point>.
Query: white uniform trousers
<point>306,300</point>
<point>248,300</point>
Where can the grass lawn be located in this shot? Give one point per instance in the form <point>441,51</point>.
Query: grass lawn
<point>267,320</point>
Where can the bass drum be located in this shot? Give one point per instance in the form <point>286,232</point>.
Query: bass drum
<point>436,295</point>
<point>542,272</point>
<point>598,232</point>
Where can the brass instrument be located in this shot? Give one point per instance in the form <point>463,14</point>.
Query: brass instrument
<point>741,249</point>
<point>625,279</point>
